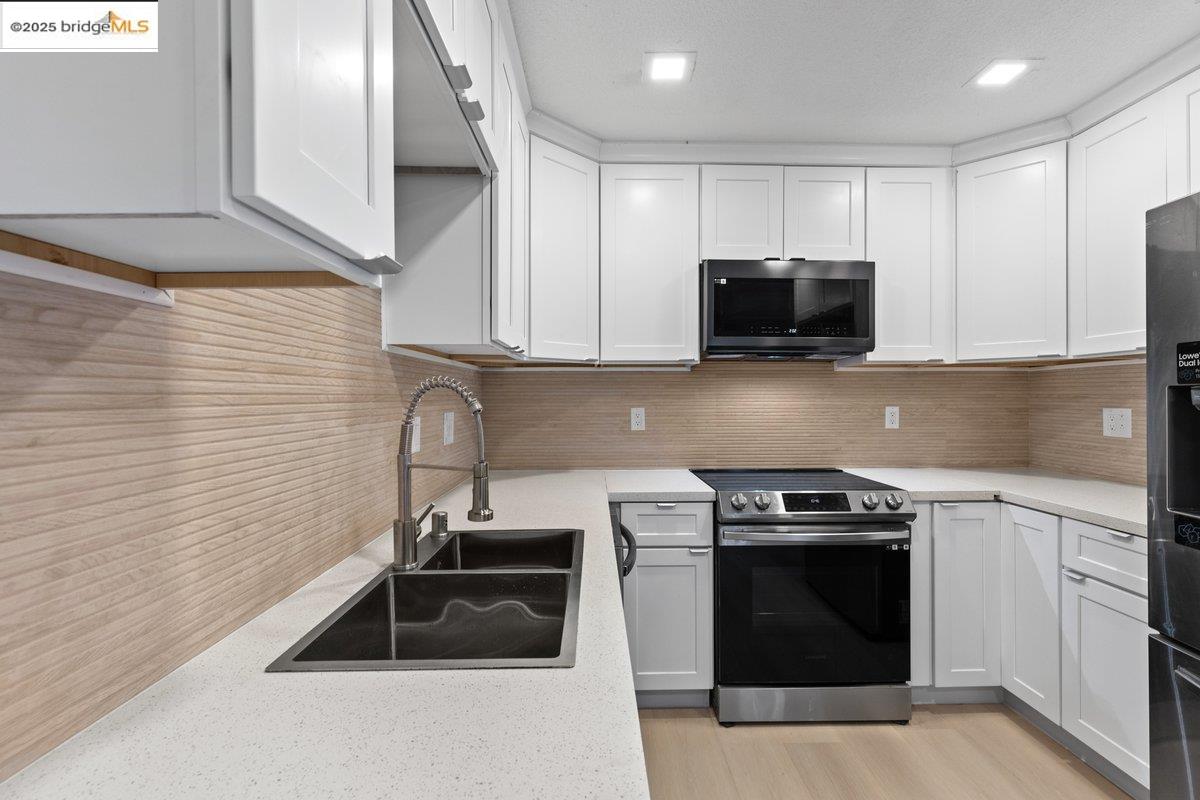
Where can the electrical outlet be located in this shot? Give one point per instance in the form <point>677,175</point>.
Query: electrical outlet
<point>1117,422</point>
<point>416,435</point>
<point>891,416</point>
<point>448,427</point>
<point>637,419</point>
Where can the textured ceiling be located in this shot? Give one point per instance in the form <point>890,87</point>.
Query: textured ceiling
<point>833,70</point>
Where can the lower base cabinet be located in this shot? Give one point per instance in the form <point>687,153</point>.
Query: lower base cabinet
<point>669,618</point>
<point>1029,626</point>
<point>1105,672</point>
<point>966,594</point>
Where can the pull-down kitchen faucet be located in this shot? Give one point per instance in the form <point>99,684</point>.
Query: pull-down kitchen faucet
<point>406,527</point>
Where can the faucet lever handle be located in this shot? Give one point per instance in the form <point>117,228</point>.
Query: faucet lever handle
<point>424,514</point>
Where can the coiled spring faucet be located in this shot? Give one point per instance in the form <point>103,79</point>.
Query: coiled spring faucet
<point>407,526</point>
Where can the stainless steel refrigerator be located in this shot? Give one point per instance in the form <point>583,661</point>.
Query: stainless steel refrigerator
<point>1173,484</point>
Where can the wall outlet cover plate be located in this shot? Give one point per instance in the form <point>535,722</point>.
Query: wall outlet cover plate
<point>1117,422</point>
<point>891,416</point>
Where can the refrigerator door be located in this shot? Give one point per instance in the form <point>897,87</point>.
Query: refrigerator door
<point>1174,720</point>
<point>1173,417</point>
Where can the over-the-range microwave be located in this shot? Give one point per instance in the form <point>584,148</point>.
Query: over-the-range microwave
<point>797,308</point>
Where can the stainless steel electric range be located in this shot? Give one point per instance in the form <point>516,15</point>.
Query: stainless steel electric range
<point>812,596</point>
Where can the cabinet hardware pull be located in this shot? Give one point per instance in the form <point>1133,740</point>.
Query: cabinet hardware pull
<point>665,505</point>
<point>1120,535</point>
<point>698,551</point>
<point>1187,676</point>
<point>948,505</point>
<point>1072,575</point>
<point>459,77</point>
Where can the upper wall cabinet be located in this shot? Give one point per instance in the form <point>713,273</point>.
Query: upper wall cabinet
<point>312,119</point>
<point>1183,136</point>
<point>564,254</point>
<point>1118,171</point>
<point>649,262</point>
<point>258,137</point>
<point>824,213</point>
<point>1012,255</point>
<point>741,212</point>
<point>909,236</point>
<point>480,59</point>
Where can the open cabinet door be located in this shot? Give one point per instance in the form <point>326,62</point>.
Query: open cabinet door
<point>312,118</point>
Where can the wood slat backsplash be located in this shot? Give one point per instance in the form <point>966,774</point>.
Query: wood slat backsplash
<point>782,414</point>
<point>167,474</point>
<point>1064,421</point>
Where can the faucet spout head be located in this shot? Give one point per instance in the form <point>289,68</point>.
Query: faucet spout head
<point>480,505</point>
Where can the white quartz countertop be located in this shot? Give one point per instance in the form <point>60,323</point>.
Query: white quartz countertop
<point>220,727</point>
<point>1118,506</point>
<point>648,485</point>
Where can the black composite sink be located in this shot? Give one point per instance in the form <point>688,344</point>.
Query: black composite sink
<point>480,599</point>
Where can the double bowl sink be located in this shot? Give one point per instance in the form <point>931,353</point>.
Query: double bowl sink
<point>479,599</point>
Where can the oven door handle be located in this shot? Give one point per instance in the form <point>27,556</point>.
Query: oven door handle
<point>857,537</point>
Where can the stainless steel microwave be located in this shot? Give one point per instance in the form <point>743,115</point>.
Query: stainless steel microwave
<point>812,309</point>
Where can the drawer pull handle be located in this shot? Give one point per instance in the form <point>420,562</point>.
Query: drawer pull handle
<point>698,551</point>
<point>1187,676</point>
<point>948,505</point>
<point>666,505</point>
<point>1072,575</point>
<point>1122,535</point>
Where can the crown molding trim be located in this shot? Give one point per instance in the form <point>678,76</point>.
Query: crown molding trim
<point>764,153</point>
<point>563,134</point>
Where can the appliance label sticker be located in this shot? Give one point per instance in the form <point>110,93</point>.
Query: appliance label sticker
<point>1188,362</point>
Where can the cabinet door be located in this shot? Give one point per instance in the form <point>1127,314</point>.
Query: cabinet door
<point>1105,672</point>
<point>564,254</point>
<point>502,212</point>
<point>1118,171</point>
<point>649,262</point>
<point>909,235</point>
<point>449,17</point>
<point>921,596</point>
<point>1029,622</point>
<point>966,594</point>
<point>741,211</point>
<point>510,287</point>
<point>1182,100</point>
<point>669,618</point>
<point>824,213</point>
<point>480,39</point>
<point>1012,255</point>
<point>312,119</point>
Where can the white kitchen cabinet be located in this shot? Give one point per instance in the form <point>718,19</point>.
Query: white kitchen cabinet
<point>564,254</point>
<point>669,618</point>
<point>824,213</point>
<point>479,56</point>
<point>450,19</point>
<point>966,594</point>
<point>1182,100</point>
<point>649,262</point>
<point>1029,619</point>
<point>910,237</point>
<point>1105,671</point>
<point>266,143</point>
<point>1117,171</point>
<point>921,596</point>
<point>1012,255</point>
<point>510,287</point>
<point>741,212</point>
<point>502,210</point>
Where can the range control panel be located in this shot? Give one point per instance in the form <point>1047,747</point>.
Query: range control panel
<point>890,505</point>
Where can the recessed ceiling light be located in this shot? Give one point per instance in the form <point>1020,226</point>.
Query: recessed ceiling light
<point>668,66</point>
<point>1002,72</point>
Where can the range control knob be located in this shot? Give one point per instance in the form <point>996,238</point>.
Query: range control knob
<point>738,501</point>
<point>870,501</point>
<point>894,501</point>
<point>762,501</point>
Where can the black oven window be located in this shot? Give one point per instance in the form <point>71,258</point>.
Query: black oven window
<point>800,307</point>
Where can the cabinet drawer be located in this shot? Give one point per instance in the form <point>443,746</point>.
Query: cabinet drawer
<point>1113,556</point>
<point>669,524</point>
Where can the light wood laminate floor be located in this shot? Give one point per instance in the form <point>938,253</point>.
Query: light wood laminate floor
<point>951,752</point>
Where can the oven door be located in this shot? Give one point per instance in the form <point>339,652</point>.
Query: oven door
<point>812,605</point>
<point>789,307</point>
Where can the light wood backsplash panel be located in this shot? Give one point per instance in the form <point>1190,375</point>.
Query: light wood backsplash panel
<point>782,414</point>
<point>166,474</point>
<point>1064,421</point>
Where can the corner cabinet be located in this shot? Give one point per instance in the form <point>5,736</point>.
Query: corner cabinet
<point>669,618</point>
<point>649,262</point>
<point>741,212</point>
<point>1029,618</point>
<point>966,594</point>
<point>910,234</point>
<point>564,254</point>
<point>824,213</point>
<point>1012,255</point>
<point>1118,171</point>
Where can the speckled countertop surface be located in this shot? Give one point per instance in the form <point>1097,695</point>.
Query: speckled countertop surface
<point>648,485</point>
<point>220,727</point>
<point>1118,506</point>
